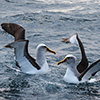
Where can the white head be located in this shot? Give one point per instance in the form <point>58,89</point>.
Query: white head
<point>41,48</point>
<point>44,48</point>
<point>69,59</point>
<point>40,56</point>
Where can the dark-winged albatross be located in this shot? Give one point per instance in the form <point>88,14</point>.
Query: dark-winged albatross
<point>72,75</point>
<point>84,61</point>
<point>27,64</point>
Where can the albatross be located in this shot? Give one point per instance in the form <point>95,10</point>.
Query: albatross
<point>72,75</point>
<point>25,62</point>
<point>81,72</point>
<point>28,64</point>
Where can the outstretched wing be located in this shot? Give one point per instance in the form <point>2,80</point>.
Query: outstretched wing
<point>24,60</point>
<point>82,66</point>
<point>90,71</point>
<point>14,29</point>
<point>84,61</point>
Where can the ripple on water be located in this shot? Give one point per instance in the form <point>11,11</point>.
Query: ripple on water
<point>76,19</point>
<point>52,88</point>
<point>48,21</point>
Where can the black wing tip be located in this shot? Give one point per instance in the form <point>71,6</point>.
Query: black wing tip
<point>11,27</point>
<point>3,25</point>
<point>17,65</point>
<point>17,31</point>
<point>80,78</point>
<point>38,68</point>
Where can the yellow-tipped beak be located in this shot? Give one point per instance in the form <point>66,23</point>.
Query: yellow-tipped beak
<point>63,61</point>
<point>51,51</point>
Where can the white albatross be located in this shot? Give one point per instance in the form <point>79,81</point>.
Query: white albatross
<point>28,64</point>
<point>72,75</point>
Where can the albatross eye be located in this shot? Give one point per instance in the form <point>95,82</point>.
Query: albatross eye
<point>44,47</point>
<point>69,58</point>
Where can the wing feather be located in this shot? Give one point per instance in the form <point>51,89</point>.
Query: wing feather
<point>90,71</point>
<point>15,30</point>
<point>22,55</point>
<point>84,61</point>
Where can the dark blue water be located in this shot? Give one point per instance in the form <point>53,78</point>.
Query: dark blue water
<point>48,21</point>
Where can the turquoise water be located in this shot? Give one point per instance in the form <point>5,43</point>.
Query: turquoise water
<point>48,21</point>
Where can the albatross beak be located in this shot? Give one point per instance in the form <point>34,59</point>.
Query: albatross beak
<point>49,50</point>
<point>63,61</point>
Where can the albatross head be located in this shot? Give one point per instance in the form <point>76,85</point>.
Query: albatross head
<point>71,72</point>
<point>44,48</point>
<point>41,51</point>
<point>69,59</point>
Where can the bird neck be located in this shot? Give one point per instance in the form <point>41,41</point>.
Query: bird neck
<point>40,57</point>
<point>72,68</point>
<point>70,75</point>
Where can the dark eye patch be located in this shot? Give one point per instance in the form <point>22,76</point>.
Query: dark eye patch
<point>68,57</point>
<point>44,47</point>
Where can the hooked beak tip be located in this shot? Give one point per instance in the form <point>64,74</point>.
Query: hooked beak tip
<point>55,53</point>
<point>49,50</point>
<point>58,63</point>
